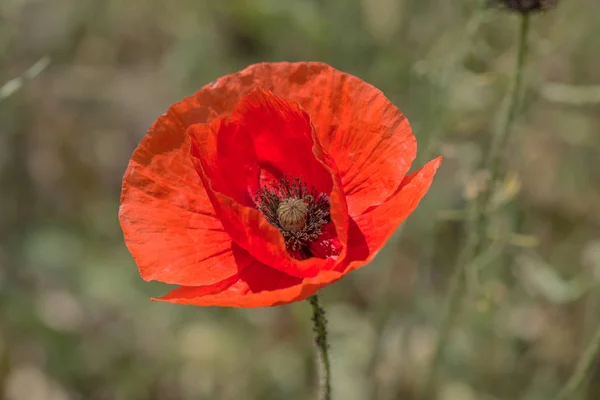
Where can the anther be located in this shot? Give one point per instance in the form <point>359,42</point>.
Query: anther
<point>298,211</point>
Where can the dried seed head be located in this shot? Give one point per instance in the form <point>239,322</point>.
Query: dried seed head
<point>525,6</point>
<point>292,214</point>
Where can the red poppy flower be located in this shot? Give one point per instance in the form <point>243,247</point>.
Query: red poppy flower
<point>269,184</point>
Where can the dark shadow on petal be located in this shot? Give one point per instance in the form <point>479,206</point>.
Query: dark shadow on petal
<point>358,249</point>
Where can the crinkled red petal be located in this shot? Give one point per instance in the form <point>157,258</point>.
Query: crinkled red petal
<point>228,157</point>
<point>168,222</point>
<point>369,231</point>
<point>246,225</point>
<point>369,138</point>
<point>256,286</point>
<point>282,137</point>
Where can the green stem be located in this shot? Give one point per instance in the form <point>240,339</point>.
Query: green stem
<point>502,136</point>
<point>478,217</point>
<point>589,356</point>
<point>451,309</point>
<point>320,328</point>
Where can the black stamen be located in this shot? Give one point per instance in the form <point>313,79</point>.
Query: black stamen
<point>269,198</point>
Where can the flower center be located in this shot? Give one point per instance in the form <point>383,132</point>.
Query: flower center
<point>297,211</point>
<point>292,214</point>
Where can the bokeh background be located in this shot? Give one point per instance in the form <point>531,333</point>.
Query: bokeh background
<point>75,318</point>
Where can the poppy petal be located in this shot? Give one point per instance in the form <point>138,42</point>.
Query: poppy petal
<point>369,231</point>
<point>246,225</point>
<point>256,286</point>
<point>165,213</point>
<point>282,135</point>
<point>228,158</point>
<point>369,138</point>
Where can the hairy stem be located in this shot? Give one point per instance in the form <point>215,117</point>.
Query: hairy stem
<point>320,329</point>
<point>478,215</point>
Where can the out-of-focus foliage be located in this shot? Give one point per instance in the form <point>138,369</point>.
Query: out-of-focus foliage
<point>75,319</point>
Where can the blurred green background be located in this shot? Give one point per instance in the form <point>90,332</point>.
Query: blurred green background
<point>75,317</point>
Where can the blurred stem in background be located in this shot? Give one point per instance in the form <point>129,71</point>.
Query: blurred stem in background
<point>577,379</point>
<point>591,325</point>
<point>478,215</point>
<point>577,385</point>
<point>19,206</point>
<point>386,305</point>
<point>320,329</point>
<point>9,88</point>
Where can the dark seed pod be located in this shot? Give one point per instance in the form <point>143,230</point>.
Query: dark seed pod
<point>525,6</point>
